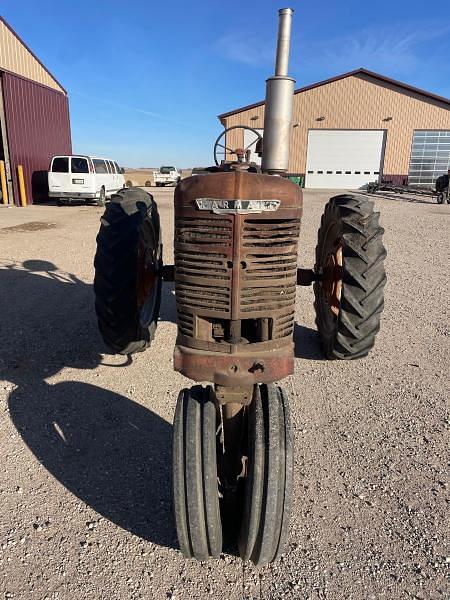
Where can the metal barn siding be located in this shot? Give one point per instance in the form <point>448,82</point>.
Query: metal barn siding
<point>38,127</point>
<point>357,100</point>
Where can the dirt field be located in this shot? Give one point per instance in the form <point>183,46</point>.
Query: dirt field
<point>85,436</point>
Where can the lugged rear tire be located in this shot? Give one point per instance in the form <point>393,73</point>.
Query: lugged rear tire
<point>129,236</point>
<point>349,299</point>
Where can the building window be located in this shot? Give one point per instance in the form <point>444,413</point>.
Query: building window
<point>430,157</point>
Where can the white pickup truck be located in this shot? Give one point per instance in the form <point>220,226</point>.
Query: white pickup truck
<point>166,176</point>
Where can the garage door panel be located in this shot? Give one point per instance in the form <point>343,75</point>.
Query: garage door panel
<point>250,137</point>
<point>430,157</point>
<point>343,159</point>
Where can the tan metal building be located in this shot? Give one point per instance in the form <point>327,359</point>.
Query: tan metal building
<point>359,127</point>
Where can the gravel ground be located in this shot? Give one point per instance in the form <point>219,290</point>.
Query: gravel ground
<point>85,436</point>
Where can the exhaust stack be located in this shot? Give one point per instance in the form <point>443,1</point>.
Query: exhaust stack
<point>278,106</point>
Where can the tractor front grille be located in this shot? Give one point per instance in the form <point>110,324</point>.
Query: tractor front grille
<point>264,269</point>
<point>269,283</point>
<point>203,274</point>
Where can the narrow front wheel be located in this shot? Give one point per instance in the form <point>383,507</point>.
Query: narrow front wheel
<point>194,475</point>
<point>268,485</point>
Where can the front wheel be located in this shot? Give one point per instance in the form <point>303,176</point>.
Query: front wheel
<point>268,486</point>
<point>128,263</point>
<point>194,474</point>
<point>349,295</point>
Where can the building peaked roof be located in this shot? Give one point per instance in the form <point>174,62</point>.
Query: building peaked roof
<point>17,58</point>
<point>357,72</point>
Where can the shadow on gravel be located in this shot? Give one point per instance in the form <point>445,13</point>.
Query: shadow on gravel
<point>307,343</point>
<point>111,452</point>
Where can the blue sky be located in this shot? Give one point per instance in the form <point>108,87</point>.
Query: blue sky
<point>146,80</point>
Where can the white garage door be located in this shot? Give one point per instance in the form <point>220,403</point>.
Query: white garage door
<point>343,159</point>
<point>250,137</point>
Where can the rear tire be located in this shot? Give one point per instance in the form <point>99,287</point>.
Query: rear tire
<point>101,200</point>
<point>194,475</point>
<point>440,198</point>
<point>350,257</point>
<point>128,259</point>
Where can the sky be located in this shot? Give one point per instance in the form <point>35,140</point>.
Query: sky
<point>146,80</point>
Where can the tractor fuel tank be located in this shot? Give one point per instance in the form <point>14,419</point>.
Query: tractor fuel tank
<point>236,236</point>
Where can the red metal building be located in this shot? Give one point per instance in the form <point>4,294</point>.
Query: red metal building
<point>34,116</point>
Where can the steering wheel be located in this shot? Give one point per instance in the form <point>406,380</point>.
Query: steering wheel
<point>240,152</point>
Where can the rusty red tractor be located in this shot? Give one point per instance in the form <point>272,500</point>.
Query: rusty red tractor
<point>236,237</point>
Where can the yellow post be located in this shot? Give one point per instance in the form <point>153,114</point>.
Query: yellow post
<point>3,185</point>
<point>22,192</point>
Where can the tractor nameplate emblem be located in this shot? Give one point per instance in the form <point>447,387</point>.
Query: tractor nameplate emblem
<point>237,207</point>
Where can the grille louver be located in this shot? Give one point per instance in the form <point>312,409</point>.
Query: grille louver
<point>270,278</point>
<point>203,278</point>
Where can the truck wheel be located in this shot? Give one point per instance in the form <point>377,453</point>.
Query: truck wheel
<point>440,198</point>
<point>350,257</point>
<point>128,263</point>
<point>194,475</point>
<point>268,487</point>
<point>101,200</point>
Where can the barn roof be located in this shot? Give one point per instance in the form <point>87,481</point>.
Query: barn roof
<point>403,87</point>
<point>17,58</point>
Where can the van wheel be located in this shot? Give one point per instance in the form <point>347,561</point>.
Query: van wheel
<point>128,266</point>
<point>102,199</point>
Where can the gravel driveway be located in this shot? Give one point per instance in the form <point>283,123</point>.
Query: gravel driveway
<point>85,436</point>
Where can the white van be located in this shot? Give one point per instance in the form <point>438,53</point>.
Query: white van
<point>83,178</point>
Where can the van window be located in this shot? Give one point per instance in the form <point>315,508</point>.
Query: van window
<point>79,165</point>
<point>60,164</point>
<point>110,165</point>
<point>117,168</point>
<point>99,165</point>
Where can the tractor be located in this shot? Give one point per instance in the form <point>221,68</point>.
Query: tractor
<point>235,272</point>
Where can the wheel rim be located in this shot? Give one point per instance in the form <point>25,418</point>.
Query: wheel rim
<point>147,283</point>
<point>332,279</point>
<point>332,270</point>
